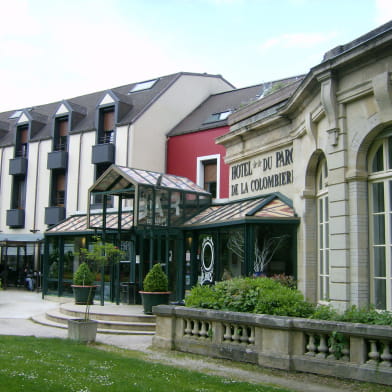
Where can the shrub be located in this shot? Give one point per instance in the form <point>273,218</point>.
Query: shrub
<point>325,312</point>
<point>261,295</point>
<point>270,296</point>
<point>285,280</point>
<point>83,276</point>
<point>155,280</point>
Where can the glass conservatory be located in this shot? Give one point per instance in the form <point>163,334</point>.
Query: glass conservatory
<point>162,218</point>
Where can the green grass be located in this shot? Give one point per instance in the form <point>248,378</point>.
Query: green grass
<point>36,364</point>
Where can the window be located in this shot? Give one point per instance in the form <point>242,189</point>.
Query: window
<point>218,116</point>
<point>380,222</point>
<point>323,229</point>
<point>21,146</point>
<point>208,174</point>
<point>58,190</point>
<point>106,131</point>
<point>18,200</point>
<point>143,86</point>
<point>60,134</point>
<point>97,199</point>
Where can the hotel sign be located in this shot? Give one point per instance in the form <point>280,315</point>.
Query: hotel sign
<point>262,174</point>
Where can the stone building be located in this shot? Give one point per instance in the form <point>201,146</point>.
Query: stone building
<point>326,144</point>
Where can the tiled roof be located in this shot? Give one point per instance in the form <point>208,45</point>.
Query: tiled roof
<point>267,207</point>
<point>232,100</point>
<point>137,103</point>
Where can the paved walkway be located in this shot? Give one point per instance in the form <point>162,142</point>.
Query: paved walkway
<point>18,306</point>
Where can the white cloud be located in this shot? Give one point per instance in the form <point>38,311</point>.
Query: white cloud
<point>383,11</point>
<point>297,41</point>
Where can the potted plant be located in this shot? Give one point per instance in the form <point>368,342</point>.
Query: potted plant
<point>84,329</point>
<point>83,288</point>
<point>100,255</point>
<point>155,289</point>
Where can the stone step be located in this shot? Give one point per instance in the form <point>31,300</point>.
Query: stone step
<point>62,317</point>
<point>71,310</point>
<point>43,320</point>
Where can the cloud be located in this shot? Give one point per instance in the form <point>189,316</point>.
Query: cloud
<point>297,41</point>
<point>383,11</point>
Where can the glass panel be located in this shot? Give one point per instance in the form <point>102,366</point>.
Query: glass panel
<point>161,207</point>
<point>380,294</point>
<point>379,261</point>
<point>326,209</point>
<point>327,262</point>
<point>321,210</point>
<point>390,152</point>
<point>378,160</point>
<point>145,206</point>
<point>378,197</point>
<point>322,296</point>
<point>322,272</point>
<point>327,235</point>
<point>379,230</point>
<point>68,264</point>
<point>321,233</point>
<point>326,288</point>
<point>176,208</point>
<point>190,204</point>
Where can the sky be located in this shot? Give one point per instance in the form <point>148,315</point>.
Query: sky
<point>58,49</point>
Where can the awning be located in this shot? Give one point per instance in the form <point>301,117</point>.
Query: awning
<point>78,223</point>
<point>10,239</point>
<point>274,207</point>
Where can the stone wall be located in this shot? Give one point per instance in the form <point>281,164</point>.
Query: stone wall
<point>354,351</point>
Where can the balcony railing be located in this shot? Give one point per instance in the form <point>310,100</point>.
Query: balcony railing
<point>57,160</point>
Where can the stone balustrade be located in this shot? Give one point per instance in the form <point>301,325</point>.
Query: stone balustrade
<point>347,350</point>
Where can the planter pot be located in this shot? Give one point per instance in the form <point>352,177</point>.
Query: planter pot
<point>82,330</point>
<point>150,299</point>
<point>84,295</point>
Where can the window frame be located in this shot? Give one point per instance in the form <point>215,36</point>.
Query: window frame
<point>200,171</point>
<point>382,176</point>
<point>323,233</point>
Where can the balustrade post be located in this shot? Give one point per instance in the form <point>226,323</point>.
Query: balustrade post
<point>386,356</point>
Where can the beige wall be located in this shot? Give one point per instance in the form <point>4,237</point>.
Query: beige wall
<point>148,147</point>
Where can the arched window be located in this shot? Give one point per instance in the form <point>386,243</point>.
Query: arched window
<point>322,229</point>
<point>380,222</point>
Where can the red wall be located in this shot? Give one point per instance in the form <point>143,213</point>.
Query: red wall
<point>183,151</point>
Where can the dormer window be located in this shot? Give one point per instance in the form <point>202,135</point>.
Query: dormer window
<point>21,146</point>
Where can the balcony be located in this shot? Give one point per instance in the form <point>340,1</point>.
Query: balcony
<point>57,160</point>
<point>103,153</point>
<point>15,218</point>
<point>18,166</point>
<point>54,215</point>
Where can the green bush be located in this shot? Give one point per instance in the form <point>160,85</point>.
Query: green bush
<point>270,296</point>
<point>155,280</point>
<point>261,295</point>
<point>83,276</point>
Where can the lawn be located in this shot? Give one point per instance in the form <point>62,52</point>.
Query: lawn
<point>57,365</point>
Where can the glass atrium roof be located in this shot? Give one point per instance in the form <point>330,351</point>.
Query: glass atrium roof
<point>118,178</point>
